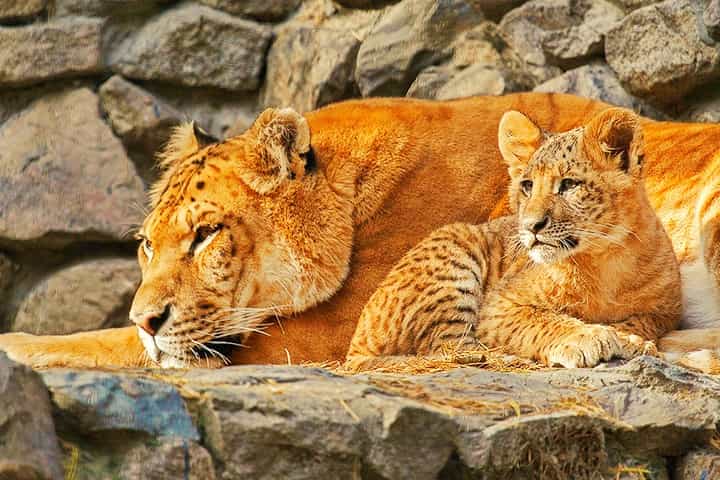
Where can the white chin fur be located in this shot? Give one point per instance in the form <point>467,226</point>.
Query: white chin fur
<point>701,298</point>
<point>148,342</point>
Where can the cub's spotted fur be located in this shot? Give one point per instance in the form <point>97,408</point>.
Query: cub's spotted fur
<point>583,270</point>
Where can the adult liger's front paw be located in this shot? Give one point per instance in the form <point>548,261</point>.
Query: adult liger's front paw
<point>19,347</point>
<point>586,347</point>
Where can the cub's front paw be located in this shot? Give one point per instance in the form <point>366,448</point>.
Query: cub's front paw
<point>19,347</point>
<point>585,347</point>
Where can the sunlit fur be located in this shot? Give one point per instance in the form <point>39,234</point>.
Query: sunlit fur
<point>597,280</point>
<point>407,167</point>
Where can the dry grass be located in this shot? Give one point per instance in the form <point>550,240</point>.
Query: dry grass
<point>623,472</point>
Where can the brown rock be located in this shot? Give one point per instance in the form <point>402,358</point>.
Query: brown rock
<point>105,8</point>
<point>703,464</point>
<point>63,174</point>
<point>659,51</point>
<point>28,445</point>
<point>195,46</point>
<point>561,33</point>
<point>58,49</point>
<point>409,37</point>
<point>263,10</point>
<point>142,121</point>
<point>169,457</point>
<point>87,296</point>
<point>310,67</point>
<point>14,10</point>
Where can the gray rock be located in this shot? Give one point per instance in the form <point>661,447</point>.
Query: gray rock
<point>142,121</point>
<point>263,10</point>
<point>476,80</point>
<point>95,402</point>
<point>630,5</point>
<point>698,464</point>
<point>105,8</point>
<point>63,174</point>
<point>29,447</point>
<point>88,296</point>
<point>14,10</point>
<point>409,37</point>
<point>598,81</point>
<point>7,269</point>
<point>58,49</point>
<point>365,3</point>
<point>711,18</point>
<point>215,110</point>
<point>194,45</point>
<point>169,457</point>
<point>562,33</point>
<point>429,81</point>
<point>659,52</point>
<point>310,67</point>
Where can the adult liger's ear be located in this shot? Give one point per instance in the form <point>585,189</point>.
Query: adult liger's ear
<point>518,138</point>
<point>614,136</point>
<point>280,137</point>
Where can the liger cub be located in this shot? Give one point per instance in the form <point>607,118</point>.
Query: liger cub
<point>581,272</point>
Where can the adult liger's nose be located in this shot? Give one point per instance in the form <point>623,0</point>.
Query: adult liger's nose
<point>151,321</point>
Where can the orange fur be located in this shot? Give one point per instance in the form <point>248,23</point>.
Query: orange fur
<point>583,272</point>
<point>389,171</point>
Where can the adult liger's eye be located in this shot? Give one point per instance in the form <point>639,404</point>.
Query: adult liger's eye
<point>147,248</point>
<point>526,187</point>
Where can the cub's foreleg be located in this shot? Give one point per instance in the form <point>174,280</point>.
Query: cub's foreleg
<point>541,334</point>
<point>429,303</point>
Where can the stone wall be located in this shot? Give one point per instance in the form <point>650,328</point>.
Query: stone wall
<point>89,90</point>
<point>643,420</point>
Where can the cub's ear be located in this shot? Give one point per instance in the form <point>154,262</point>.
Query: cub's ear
<point>615,136</point>
<point>280,137</point>
<point>518,138</point>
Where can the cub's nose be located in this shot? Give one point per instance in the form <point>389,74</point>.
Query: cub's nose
<point>535,224</point>
<point>151,322</point>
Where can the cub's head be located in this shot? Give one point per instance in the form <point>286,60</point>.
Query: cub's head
<point>239,231</point>
<point>574,191</point>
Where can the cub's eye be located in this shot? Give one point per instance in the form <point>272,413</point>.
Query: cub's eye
<point>567,184</point>
<point>526,187</point>
<point>204,234</point>
<point>147,248</point>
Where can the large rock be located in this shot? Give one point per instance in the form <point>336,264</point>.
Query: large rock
<point>88,296</point>
<point>63,174</point>
<point>365,3</point>
<point>195,46</point>
<point>309,67</point>
<point>28,444</point>
<point>409,37</point>
<point>659,51</point>
<point>476,80</point>
<point>703,464</point>
<point>558,33</point>
<point>143,122</point>
<point>167,457</point>
<point>598,81</point>
<point>58,49</point>
<point>711,18</point>
<point>287,422</point>
<point>15,10</point>
<point>263,10</point>
<point>105,8</point>
<point>215,110</point>
<point>91,402</point>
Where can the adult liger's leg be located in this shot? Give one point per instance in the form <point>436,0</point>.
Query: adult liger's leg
<point>113,347</point>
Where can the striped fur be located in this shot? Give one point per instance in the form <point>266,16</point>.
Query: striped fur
<point>598,280</point>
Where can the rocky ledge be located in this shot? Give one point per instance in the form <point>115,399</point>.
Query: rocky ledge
<point>644,419</point>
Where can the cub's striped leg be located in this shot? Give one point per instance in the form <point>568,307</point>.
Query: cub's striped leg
<point>430,301</point>
<point>541,334</point>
